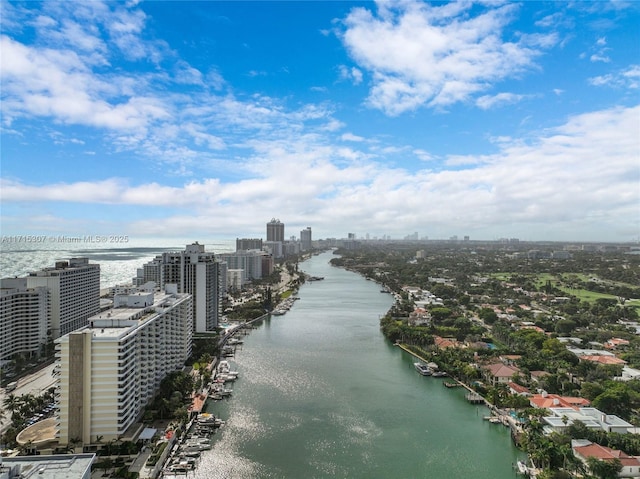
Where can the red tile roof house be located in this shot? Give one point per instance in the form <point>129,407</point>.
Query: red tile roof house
<point>601,359</point>
<point>614,343</point>
<point>499,373</point>
<point>546,401</point>
<point>516,389</point>
<point>443,343</point>
<point>583,449</point>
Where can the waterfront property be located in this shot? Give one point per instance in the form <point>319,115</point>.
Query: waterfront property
<point>110,370</point>
<point>45,305</point>
<point>24,318</point>
<point>196,272</point>
<point>74,293</point>
<point>563,417</point>
<point>584,449</point>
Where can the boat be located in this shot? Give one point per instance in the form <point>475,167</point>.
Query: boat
<point>522,468</point>
<point>423,369</point>
<point>439,374</point>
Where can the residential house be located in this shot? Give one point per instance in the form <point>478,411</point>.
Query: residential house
<point>615,343</point>
<point>518,390</point>
<point>546,401</point>
<point>499,373</point>
<point>444,343</point>
<point>562,417</point>
<point>583,450</point>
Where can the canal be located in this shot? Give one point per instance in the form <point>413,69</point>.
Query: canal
<point>322,394</point>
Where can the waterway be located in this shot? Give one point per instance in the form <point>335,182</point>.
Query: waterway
<point>322,394</point>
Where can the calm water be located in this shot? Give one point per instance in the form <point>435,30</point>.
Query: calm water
<point>322,394</point>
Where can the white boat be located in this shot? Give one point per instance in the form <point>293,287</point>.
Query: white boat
<point>522,468</point>
<point>422,369</point>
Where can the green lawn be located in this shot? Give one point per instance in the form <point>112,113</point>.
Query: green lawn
<point>559,281</point>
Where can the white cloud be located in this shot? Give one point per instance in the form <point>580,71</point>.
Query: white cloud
<point>629,78</point>
<point>353,74</point>
<point>52,83</point>
<point>556,181</point>
<point>599,57</point>
<point>351,137</point>
<point>434,56</point>
<point>489,101</point>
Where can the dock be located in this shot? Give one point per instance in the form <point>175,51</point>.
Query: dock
<point>474,398</point>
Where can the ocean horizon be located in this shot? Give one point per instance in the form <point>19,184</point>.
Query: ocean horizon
<point>119,257</point>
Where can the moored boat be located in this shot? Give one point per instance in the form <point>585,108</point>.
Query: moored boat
<point>423,369</point>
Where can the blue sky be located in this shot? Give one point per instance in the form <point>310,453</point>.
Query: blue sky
<point>207,119</point>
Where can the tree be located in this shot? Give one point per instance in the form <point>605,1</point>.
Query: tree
<point>608,469</point>
<point>11,403</point>
<point>488,315</point>
<point>106,464</point>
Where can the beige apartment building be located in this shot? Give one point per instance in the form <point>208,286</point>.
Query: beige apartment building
<point>111,369</point>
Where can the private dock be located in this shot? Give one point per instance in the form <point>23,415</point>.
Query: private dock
<point>474,398</point>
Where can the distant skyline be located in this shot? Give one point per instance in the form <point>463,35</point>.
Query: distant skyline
<point>207,119</point>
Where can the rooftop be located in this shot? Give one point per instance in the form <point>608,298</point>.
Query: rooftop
<point>64,466</point>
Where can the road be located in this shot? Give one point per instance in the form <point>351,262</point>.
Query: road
<point>36,384</point>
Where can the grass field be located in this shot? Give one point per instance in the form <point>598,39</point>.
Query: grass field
<point>560,281</point>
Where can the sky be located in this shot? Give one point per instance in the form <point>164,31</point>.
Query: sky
<point>207,119</point>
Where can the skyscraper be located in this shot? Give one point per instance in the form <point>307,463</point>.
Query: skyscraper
<point>275,230</point>
<point>24,318</point>
<point>110,370</point>
<point>74,293</point>
<point>305,239</point>
<point>195,272</point>
<point>243,244</point>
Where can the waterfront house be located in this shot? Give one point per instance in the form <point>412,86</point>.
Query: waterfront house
<point>546,401</point>
<point>584,449</point>
<point>562,417</point>
<point>518,390</point>
<point>499,373</point>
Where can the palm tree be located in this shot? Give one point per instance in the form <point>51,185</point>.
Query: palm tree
<point>604,469</point>
<point>11,403</point>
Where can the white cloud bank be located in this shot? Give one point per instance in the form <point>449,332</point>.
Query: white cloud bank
<point>577,180</point>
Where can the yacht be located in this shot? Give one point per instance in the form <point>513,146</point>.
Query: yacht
<point>422,369</point>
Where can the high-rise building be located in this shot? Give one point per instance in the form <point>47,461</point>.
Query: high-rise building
<point>305,239</point>
<point>243,244</point>
<point>74,293</point>
<point>195,272</point>
<point>24,318</point>
<point>275,230</point>
<point>111,369</point>
<point>248,260</point>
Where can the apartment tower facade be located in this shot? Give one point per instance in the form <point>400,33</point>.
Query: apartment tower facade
<point>74,293</point>
<point>195,272</point>
<point>111,369</point>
